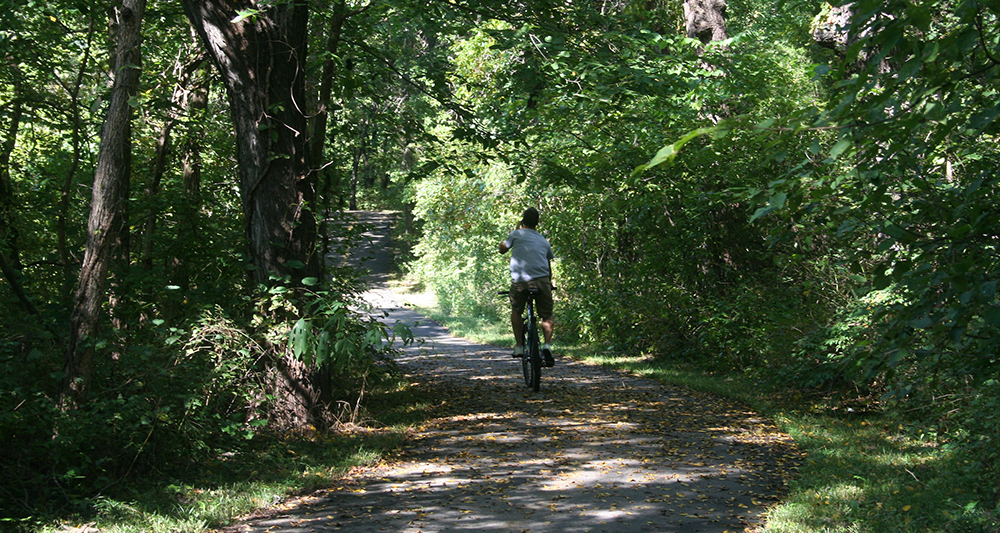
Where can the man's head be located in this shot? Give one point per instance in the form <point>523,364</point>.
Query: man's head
<point>530,218</point>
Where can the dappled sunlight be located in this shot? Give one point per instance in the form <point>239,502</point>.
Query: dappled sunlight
<point>624,359</point>
<point>594,450</point>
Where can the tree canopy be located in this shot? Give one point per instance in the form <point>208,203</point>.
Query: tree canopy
<point>795,190</point>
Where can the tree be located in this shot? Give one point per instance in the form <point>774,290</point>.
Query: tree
<point>259,49</point>
<point>76,135</point>
<point>905,184</point>
<point>831,31</point>
<point>900,185</point>
<point>184,96</point>
<point>107,229</point>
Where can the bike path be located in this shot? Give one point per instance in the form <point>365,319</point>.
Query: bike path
<point>595,450</point>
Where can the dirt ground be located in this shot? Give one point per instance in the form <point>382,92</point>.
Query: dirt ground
<point>595,450</point>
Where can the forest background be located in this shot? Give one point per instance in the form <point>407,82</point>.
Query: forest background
<point>799,194</point>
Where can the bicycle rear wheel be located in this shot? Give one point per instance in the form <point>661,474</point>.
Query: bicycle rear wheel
<point>526,358</point>
<point>536,358</point>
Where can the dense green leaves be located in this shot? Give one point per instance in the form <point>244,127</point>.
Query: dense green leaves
<point>913,169</point>
<point>185,344</point>
<point>332,336</point>
<point>905,195</point>
<point>822,218</point>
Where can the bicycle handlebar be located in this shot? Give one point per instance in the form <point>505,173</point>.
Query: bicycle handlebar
<point>507,292</point>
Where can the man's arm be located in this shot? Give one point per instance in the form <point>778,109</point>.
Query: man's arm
<point>503,243</point>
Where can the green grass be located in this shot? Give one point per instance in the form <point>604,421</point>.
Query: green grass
<point>270,469</point>
<point>864,472</point>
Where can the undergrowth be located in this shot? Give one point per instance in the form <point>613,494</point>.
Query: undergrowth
<point>267,470</point>
<point>175,437</point>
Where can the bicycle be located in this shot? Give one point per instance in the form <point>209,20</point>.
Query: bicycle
<point>531,361</point>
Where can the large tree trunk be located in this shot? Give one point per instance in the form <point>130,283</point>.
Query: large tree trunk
<point>107,228</point>
<point>261,58</point>
<point>832,31</point>
<point>262,62</point>
<point>705,20</point>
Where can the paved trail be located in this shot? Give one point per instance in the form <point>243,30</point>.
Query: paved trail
<point>595,451</point>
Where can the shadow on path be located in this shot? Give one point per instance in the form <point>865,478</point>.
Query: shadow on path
<point>594,451</point>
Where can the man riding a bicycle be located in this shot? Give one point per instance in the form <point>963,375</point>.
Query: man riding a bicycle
<point>530,267</point>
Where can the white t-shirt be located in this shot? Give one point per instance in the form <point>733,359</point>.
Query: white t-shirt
<point>530,254</point>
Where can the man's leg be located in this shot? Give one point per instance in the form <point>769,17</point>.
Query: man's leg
<point>546,325</point>
<point>547,329</point>
<point>518,299</point>
<point>517,324</point>
<point>544,301</point>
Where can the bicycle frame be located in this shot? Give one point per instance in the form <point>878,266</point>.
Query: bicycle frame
<point>531,362</point>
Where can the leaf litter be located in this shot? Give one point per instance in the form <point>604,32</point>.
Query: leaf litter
<point>596,450</point>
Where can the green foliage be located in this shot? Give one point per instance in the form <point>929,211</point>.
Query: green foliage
<point>181,369</point>
<point>330,335</point>
<point>899,196</point>
<point>979,432</point>
<point>824,219</point>
<point>907,186</point>
<point>466,213</point>
<point>158,407</point>
<point>662,260</point>
<point>389,89</point>
<point>274,465</point>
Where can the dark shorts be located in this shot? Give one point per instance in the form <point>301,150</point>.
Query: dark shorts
<point>543,300</point>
